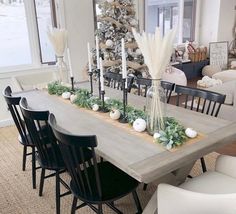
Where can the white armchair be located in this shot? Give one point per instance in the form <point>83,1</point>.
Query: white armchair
<point>210,193</point>
<point>33,80</point>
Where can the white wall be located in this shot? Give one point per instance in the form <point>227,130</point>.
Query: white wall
<point>79,22</point>
<point>216,21</point>
<point>226,20</point>
<point>209,19</point>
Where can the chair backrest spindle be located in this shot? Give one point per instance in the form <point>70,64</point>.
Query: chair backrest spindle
<point>89,186</point>
<point>200,100</point>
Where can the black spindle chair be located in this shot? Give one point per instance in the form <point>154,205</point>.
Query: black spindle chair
<point>24,137</point>
<point>168,88</point>
<point>49,155</point>
<point>114,80</point>
<point>101,183</point>
<point>145,83</point>
<point>199,100</point>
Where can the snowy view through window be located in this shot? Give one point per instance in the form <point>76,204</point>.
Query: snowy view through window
<point>15,35</point>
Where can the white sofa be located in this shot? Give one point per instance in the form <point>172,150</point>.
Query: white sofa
<point>228,110</point>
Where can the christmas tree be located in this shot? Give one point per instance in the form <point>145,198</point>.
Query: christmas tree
<point>116,22</point>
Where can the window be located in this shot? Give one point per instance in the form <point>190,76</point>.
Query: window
<point>23,36</point>
<point>167,14</point>
<point>45,19</point>
<point>14,36</point>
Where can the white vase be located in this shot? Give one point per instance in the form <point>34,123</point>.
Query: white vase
<point>62,68</point>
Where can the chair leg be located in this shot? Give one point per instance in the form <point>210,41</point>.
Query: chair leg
<point>57,192</point>
<point>145,187</point>
<point>24,158</point>
<point>100,209</point>
<point>33,168</point>
<point>74,204</point>
<point>137,202</point>
<point>41,182</point>
<point>204,169</point>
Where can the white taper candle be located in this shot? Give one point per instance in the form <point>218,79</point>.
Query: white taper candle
<point>124,68</point>
<point>101,75</point>
<point>69,62</point>
<point>97,52</point>
<point>89,58</point>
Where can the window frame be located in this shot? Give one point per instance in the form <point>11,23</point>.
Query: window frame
<point>181,17</point>
<point>33,34</point>
<point>54,24</point>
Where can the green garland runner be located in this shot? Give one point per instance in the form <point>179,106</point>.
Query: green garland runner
<point>173,135</point>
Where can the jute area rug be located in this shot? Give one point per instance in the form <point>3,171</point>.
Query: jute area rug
<point>18,197</point>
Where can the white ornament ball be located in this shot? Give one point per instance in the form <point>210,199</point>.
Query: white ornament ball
<point>95,107</point>
<point>110,1</point>
<point>115,114</point>
<point>106,99</point>
<point>66,95</point>
<point>156,135</point>
<point>138,51</point>
<point>109,43</point>
<point>139,125</point>
<point>191,133</point>
<point>133,22</point>
<point>73,97</point>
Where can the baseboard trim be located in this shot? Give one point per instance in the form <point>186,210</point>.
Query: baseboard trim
<point>5,123</point>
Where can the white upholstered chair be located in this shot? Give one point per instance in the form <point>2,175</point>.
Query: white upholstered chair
<point>210,193</point>
<point>33,80</point>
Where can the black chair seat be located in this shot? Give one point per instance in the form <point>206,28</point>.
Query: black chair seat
<point>96,183</point>
<point>58,164</point>
<point>114,183</point>
<point>27,142</point>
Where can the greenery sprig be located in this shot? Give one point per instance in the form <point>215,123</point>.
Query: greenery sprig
<point>57,88</point>
<point>173,135</point>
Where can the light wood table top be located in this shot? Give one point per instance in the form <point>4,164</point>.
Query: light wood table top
<point>142,160</point>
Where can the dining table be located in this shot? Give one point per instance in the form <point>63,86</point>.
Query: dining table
<point>136,153</point>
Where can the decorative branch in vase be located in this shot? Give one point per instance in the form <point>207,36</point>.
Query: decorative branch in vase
<point>157,51</point>
<point>58,38</point>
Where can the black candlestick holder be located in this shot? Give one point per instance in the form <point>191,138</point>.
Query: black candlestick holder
<point>103,108</point>
<point>72,83</point>
<point>124,119</point>
<point>99,83</point>
<point>91,82</point>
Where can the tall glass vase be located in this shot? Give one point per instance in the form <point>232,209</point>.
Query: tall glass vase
<point>155,107</point>
<point>62,68</point>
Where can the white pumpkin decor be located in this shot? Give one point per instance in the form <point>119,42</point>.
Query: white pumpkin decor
<point>106,99</point>
<point>95,107</point>
<point>156,135</point>
<point>191,133</point>
<point>109,43</point>
<point>114,114</point>
<point>139,125</point>
<point>110,1</point>
<point>73,98</point>
<point>66,95</point>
